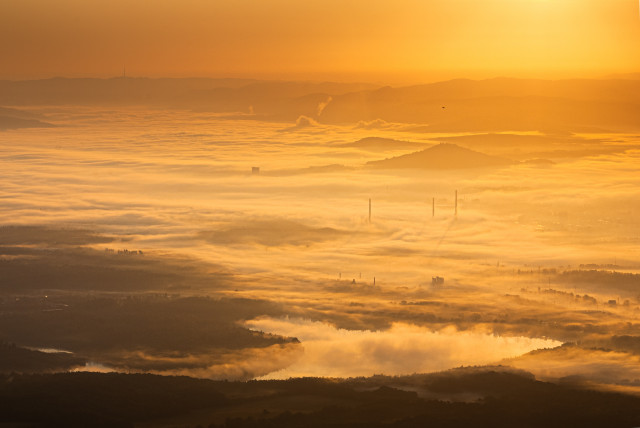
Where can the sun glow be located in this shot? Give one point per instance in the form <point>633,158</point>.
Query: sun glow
<point>313,38</point>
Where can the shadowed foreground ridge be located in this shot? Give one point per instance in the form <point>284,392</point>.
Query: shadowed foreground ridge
<point>502,399</point>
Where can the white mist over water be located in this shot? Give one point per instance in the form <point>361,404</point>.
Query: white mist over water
<point>403,349</point>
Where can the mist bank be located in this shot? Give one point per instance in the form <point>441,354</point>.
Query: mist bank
<point>401,349</point>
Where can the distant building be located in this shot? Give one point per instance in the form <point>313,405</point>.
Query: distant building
<point>255,170</point>
<point>437,280</point>
<point>612,303</point>
<point>128,252</point>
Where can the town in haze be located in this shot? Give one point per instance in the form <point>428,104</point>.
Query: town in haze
<point>320,214</point>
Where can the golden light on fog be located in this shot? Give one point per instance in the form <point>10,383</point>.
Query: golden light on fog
<point>438,195</point>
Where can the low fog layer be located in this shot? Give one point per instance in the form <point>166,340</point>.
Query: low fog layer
<point>401,349</point>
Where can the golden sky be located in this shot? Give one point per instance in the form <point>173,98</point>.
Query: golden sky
<point>417,39</point>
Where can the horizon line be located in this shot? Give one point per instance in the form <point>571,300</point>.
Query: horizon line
<point>609,76</point>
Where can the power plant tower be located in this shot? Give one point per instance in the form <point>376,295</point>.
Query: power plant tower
<point>456,204</point>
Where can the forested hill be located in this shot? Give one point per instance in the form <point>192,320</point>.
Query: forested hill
<point>490,397</point>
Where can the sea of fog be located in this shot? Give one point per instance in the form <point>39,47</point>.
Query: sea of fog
<point>299,232</point>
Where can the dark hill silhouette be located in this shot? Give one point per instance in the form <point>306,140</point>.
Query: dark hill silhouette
<point>497,105</point>
<point>378,144</point>
<point>524,141</point>
<point>441,156</point>
<point>528,147</point>
<point>10,122</point>
<point>624,76</point>
<point>22,360</point>
<point>83,91</point>
<point>21,114</point>
<point>219,95</point>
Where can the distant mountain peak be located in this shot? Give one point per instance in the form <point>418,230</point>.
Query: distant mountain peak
<point>383,144</point>
<point>442,156</point>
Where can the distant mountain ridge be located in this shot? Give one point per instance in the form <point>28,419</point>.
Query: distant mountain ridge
<point>501,104</point>
<point>444,156</point>
<point>10,122</point>
<point>382,144</point>
<point>164,92</point>
<point>461,105</point>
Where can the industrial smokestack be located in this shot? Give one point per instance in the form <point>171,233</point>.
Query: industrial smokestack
<point>456,204</point>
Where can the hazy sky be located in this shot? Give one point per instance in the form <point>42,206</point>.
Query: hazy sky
<point>417,39</point>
